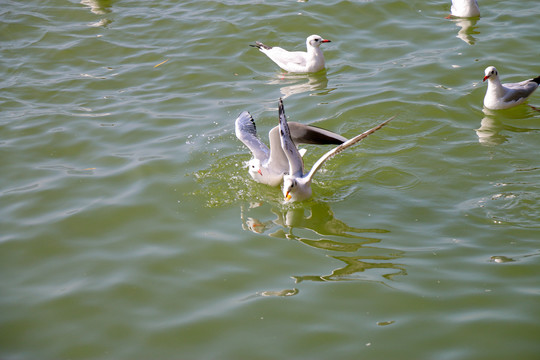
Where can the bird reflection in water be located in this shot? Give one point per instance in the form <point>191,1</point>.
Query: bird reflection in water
<point>467,29</point>
<point>356,266</point>
<point>493,125</point>
<point>99,7</point>
<point>328,234</point>
<point>489,132</point>
<point>293,84</point>
<point>320,219</point>
<point>500,259</point>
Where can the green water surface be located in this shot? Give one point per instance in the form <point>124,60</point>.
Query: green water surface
<point>130,229</point>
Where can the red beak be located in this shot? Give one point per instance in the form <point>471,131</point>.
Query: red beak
<point>486,77</point>
<point>324,40</point>
<point>260,172</point>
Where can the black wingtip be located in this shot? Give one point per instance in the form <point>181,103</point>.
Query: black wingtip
<point>281,109</point>
<point>252,120</point>
<point>247,114</point>
<point>283,124</point>
<point>537,80</point>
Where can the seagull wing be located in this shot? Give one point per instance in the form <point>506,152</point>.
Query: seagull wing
<point>246,132</point>
<point>296,165</point>
<point>307,134</point>
<point>300,134</point>
<point>287,58</point>
<point>518,91</point>
<point>278,159</point>
<point>342,147</point>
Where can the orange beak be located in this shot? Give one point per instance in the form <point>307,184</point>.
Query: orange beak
<point>485,78</point>
<point>288,196</point>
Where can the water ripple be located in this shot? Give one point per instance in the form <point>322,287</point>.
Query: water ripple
<point>127,212</point>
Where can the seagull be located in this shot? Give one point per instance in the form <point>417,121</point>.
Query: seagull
<point>297,61</point>
<point>269,165</point>
<point>504,96</point>
<point>297,184</point>
<point>464,8</point>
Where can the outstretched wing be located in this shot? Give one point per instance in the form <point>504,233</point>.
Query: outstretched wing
<point>300,134</point>
<point>246,132</point>
<point>342,147</point>
<point>296,165</point>
<point>308,134</point>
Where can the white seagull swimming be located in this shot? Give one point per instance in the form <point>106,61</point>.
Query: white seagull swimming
<point>297,61</point>
<point>269,165</point>
<point>465,8</point>
<point>296,184</point>
<point>504,96</point>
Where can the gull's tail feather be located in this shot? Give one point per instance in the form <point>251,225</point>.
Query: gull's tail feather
<point>259,45</point>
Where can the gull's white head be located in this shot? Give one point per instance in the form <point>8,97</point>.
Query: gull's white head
<point>255,169</point>
<point>294,189</point>
<point>491,73</point>
<point>315,41</point>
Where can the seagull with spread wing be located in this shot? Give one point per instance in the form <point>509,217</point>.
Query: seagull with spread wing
<point>297,184</point>
<point>269,165</point>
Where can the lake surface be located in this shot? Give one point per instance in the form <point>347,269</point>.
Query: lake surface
<point>130,228</point>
